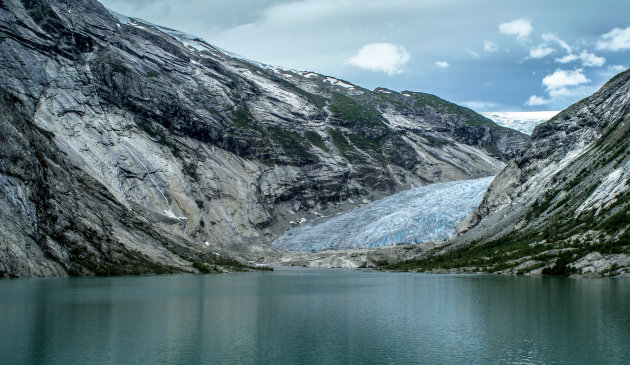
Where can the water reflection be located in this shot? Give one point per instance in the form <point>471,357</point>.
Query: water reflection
<point>326,317</point>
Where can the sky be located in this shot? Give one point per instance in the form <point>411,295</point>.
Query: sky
<point>489,55</point>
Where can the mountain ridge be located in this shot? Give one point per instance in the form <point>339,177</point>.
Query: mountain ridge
<point>560,207</point>
<point>197,157</point>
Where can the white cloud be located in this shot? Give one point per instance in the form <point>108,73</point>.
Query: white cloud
<point>535,100</point>
<point>560,92</point>
<point>568,58</point>
<point>591,60</point>
<point>588,59</point>
<point>383,57</point>
<point>615,40</point>
<point>480,105</point>
<point>474,54</point>
<point>540,51</point>
<point>611,71</point>
<point>490,46</point>
<point>442,64</point>
<point>521,28</point>
<point>617,68</point>
<point>557,82</point>
<point>550,37</point>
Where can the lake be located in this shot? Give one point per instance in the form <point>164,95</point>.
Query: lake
<point>315,317</point>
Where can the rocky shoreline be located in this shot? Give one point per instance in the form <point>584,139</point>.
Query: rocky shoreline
<point>592,265</point>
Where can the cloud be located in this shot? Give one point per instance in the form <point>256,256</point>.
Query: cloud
<point>550,37</point>
<point>558,83</point>
<point>490,46</point>
<point>617,68</point>
<point>322,35</point>
<point>591,60</point>
<point>615,40</point>
<point>474,54</point>
<point>588,59</point>
<point>480,105</point>
<point>540,51</point>
<point>521,28</point>
<point>568,58</point>
<point>611,71</point>
<point>381,57</point>
<point>442,64</point>
<point>535,100</point>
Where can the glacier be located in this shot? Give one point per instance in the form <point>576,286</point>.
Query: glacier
<point>521,121</point>
<point>424,214</point>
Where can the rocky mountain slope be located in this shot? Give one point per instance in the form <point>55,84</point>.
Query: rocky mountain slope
<point>131,148</point>
<point>562,205</point>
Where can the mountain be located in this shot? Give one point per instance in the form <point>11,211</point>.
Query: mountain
<point>561,206</point>
<point>132,148</point>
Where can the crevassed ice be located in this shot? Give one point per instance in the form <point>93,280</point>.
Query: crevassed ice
<point>428,213</point>
<point>521,121</point>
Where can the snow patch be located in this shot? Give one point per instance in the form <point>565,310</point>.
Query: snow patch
<point>169,213</point>
<point>337,82</point>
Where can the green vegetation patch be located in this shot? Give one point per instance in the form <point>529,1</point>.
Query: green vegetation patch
<point>117,68</point>
<point>423,100</point>
<point>243,119</point>
<point>315,139</point>
<point>341,143</point>
<point>292,143</point>
<point>232,265</point>
<point>353,112</point>
<point>159,135</point>
<point>366,143</point>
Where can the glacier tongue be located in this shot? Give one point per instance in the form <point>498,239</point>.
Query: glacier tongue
<point>428,213</point>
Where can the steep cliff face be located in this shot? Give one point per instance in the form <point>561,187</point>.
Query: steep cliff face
<point>562,204</point>
<point>132,145</point>
<point>570,158</point>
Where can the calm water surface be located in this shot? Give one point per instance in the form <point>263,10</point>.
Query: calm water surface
<point>315,317</point>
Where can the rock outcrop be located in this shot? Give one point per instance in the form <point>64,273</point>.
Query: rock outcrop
<point>576,166</point>
<point>133,148</point>
<point>561,206</point>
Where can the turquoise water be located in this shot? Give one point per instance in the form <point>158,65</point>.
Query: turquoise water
<point>315,317</point>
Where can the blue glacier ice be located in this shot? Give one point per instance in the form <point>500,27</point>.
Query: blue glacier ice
<point>428,213</point>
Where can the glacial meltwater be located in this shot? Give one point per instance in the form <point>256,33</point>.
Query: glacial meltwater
<point>427,213</point>
<point>315,317</point>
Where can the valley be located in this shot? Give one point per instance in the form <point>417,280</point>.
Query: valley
<point>133,148</point>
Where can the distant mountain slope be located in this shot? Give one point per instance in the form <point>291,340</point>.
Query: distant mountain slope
<point>563,203</point>
<point>194,153</point>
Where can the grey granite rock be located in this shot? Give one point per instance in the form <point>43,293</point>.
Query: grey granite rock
<point>133,148</point>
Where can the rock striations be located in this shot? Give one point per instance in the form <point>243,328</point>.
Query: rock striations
<point>132,148</point>
<point>576,165</point>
